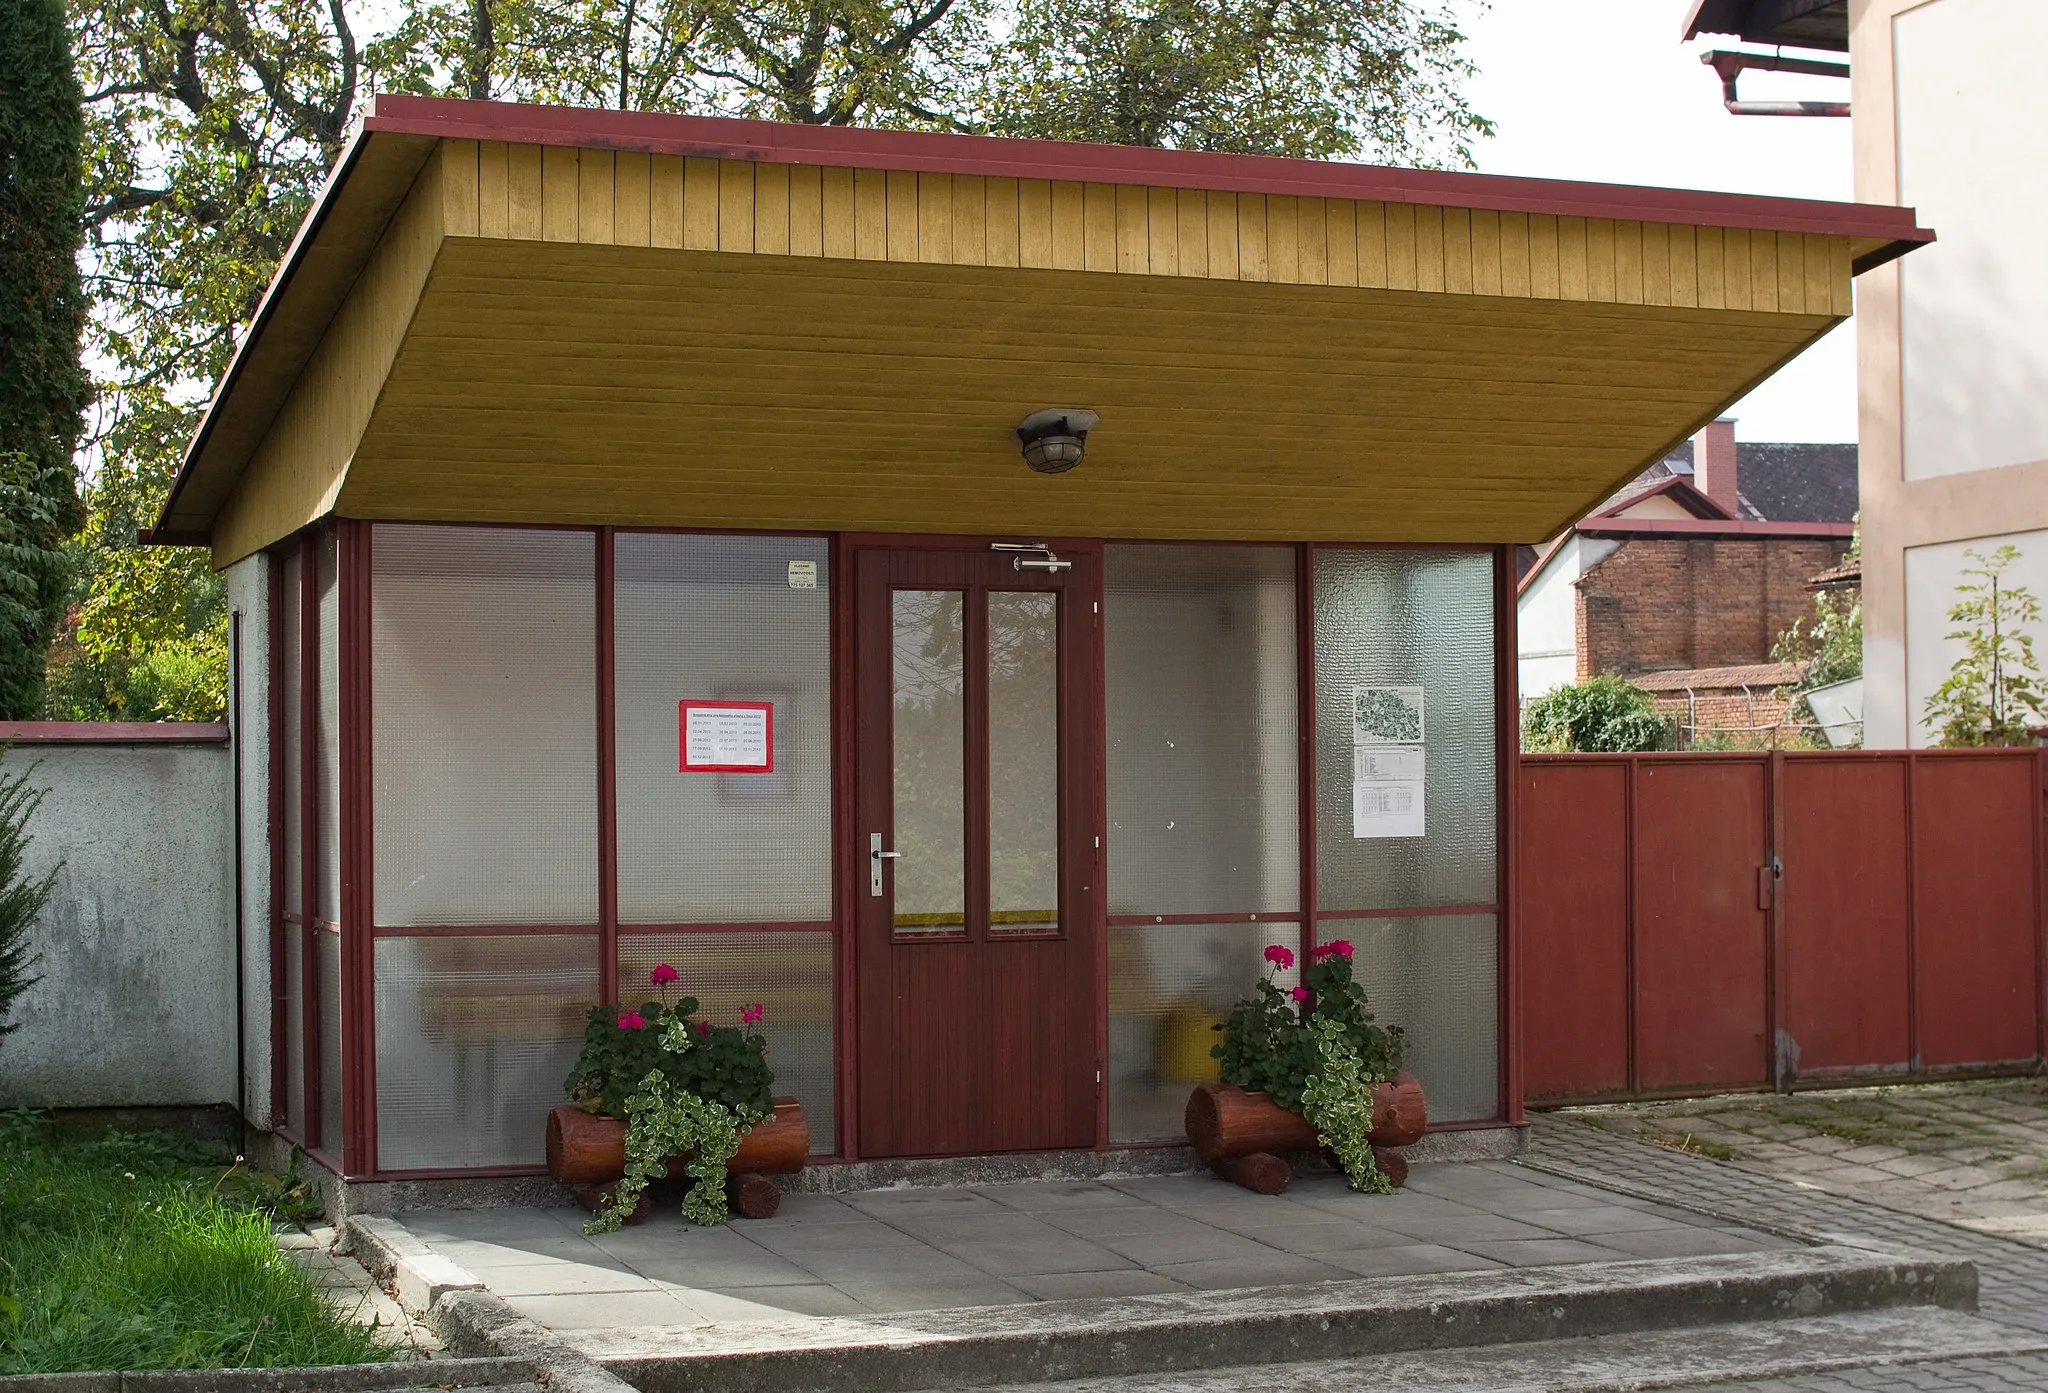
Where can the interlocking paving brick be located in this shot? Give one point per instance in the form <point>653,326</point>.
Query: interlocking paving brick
<point>2013,1275</point>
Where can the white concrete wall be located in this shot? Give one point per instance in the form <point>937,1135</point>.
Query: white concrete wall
<point>249,715</point>
<point>136,1006</point>
<point>1971,116</point>
<point>1546,617</point>
<point>1932,574</point>
<point>1951,119</point>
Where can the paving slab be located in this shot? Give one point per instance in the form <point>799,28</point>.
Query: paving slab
<point>897,1250</point>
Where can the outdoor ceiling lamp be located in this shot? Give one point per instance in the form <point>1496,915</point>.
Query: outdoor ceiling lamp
<point>1055,439</point>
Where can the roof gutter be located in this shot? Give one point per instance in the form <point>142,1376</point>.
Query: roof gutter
<point>1730,65</point>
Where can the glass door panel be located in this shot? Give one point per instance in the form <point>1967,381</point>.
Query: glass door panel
<point>929,741</point>
<point>1023,764</point>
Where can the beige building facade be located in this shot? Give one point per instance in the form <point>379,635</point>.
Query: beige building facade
<point>1950,118</point>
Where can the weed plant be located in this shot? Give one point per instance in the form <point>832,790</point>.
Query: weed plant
<point>142,1251</point>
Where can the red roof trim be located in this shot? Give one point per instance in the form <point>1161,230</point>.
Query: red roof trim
<point>1709,527</point>
<point>773,142</point>
<point>1691,499</point>
<point>113,733</point>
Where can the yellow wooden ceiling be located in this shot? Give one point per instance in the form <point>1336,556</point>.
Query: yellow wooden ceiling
<point>549,382</point>
<point>547,334</point>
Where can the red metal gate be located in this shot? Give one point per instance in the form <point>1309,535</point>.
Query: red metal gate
<point>1695,923</point>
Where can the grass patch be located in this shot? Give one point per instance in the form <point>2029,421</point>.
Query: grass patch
<point>143,1251</point>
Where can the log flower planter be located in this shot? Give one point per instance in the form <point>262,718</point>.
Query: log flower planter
<point>587,1153</point>
<point>1242,1136</point>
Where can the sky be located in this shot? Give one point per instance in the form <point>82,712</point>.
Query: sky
<point>1603,90</point>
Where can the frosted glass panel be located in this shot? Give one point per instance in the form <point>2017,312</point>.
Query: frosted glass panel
<point>1390,621</point>
<point>474,1038</point>
<point>789,974</point>
<point>1169,984</point>
<point>1438,978</point>
<point>1023,763</point>
<point>288,625</point>
<point>328,947</point>
<point>484,666</point>
<point>295,1028</point>
<point>326,837</point>
<point>716,618</point>
<point>1202,685</point>
<point>928,737</point>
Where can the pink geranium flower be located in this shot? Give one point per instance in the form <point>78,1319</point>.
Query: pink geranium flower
<point>1340,947</point>
<point>1282,958</point>
<point>632,1020</point>
<point>662,975</point>
<point>703,1027</point>
<point>1299,993</point>
<point>751,1015</point>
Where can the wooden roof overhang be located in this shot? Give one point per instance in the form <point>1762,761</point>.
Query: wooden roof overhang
<point>519,314</point>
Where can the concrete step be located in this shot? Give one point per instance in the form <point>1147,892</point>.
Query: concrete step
<point>1613,1363</point>
<point>1044,1342</point>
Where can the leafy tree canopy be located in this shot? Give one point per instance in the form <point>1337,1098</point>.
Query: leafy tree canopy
<point>43,389</point>
<point>1605,715</point>
<point>210,124</point>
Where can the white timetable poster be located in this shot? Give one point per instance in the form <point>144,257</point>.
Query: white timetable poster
<point>727,737</point>
<point>1388,769</point>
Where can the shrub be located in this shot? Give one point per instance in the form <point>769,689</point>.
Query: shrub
<point>1606,715</point>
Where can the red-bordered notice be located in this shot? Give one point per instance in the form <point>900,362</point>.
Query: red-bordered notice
<point>726,737</point>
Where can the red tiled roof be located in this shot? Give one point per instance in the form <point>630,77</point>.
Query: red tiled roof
<point>1703,679</point>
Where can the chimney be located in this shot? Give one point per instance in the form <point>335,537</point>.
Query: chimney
<point>1713,465</point>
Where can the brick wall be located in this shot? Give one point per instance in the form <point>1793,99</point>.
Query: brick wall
<point>1669,602</point>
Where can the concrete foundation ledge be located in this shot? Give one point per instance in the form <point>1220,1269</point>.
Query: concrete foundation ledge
<point>1053,1340</point>
<point>418,1275</point>
<point>478,1322</point>
<point>487,1372</point>
<point>346,1198</point>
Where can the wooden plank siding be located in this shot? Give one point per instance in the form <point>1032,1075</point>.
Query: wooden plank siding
<point>298,469</point>
<point>593,196</point>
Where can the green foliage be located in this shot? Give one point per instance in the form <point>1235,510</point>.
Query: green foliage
<point>209,128</point>
<point>1320,79</point>
<point>723,1063</point>
<point>664,1121</point>
<point>1338,1100</point>
<point>1315,1050</point>
<point>1603,714</point>
<point>148,639</point>
<point>21,900</point>
<point>38,509</point>
<point>133,1252</point>
<point>290,1198</point>
<point>1995,686</point>
<point>683,1086</point>
<point>43,388</point>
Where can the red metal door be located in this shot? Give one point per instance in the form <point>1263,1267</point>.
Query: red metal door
<point>1975,917</point>
<point>1574,926</point>
<point>1700,923</point>
<point>1843,998</point>
<point>976,888</point>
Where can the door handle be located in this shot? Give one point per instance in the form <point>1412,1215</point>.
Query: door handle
<point>876,856</point>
